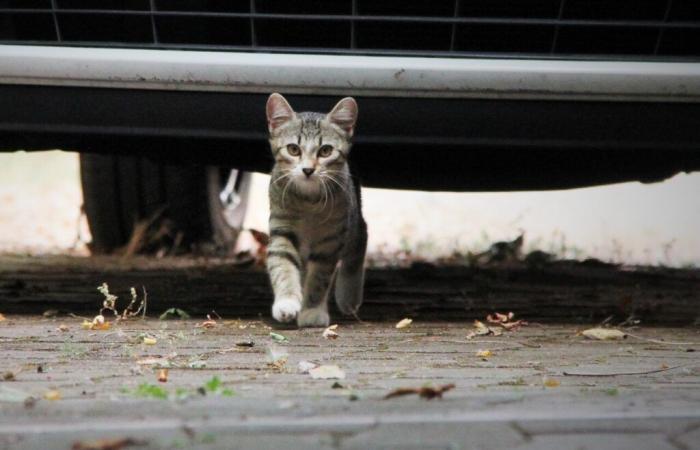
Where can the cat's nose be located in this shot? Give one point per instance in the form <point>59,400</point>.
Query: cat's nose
<point>308,171</point>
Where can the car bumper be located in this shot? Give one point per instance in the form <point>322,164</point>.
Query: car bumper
<point>350,75</point>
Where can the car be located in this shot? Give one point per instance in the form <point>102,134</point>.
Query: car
<point>165,99</point>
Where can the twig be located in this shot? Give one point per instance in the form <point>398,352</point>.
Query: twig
<point>614,374</point>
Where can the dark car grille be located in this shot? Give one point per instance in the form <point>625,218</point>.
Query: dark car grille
<point>617,29</point>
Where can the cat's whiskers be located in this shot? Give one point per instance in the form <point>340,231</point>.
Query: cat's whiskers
<point>331,194</point>
<point>285,174</point>
<point>284,191</point>
<point>337,182</point>
<point>325,193</point>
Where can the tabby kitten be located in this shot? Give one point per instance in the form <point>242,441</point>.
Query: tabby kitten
<point>317,234</point>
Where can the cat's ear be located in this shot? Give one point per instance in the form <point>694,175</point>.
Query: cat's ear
<point>278,111</point>
<point>344,114</point>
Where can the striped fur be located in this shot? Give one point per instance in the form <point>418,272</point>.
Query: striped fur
<point>317,233</point>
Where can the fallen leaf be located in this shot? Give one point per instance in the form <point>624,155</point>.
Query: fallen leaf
<point>62,328</point>
<point>328,372</point>
<point>513,325</point>
<point>149,340</point>
<point>505,320</point>
<point>276,357</point>
<point>603,334</point>
<point>245,344</point>
<point>106,444</point>
<point>305,366</point>
<point>53,394</point>
<point>209,323</point>
<point>404,323</point>
<point>278,337</point>
<point>102,327</point>
<point>426,392</point>
<point>484,353</point>
<point>329,333</point>
<point>481,330</point>
<point>551,382</point>
<point>337,385</point>
<point>163,375</point>
<point>98,323</point>
<point>2,317</point>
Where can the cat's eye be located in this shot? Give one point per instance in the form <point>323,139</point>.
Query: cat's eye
<point>293,150</point>
<point>325,151</point>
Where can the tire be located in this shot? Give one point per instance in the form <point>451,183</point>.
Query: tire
<point>120,191</point>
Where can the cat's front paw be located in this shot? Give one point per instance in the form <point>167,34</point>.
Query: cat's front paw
<point>286,309</point>
<point>313,317</point>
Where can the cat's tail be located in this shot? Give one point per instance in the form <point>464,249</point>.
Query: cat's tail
<point>350,278</point>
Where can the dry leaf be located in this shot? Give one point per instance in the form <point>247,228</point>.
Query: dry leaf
<point>329,333</point>
<point>106,444</point>
<point>163,375</point>
<point>551,382</point>
<point>603,334</point>
<point>505,320</point>
<point>8,376</point>
<point>484,353</point>
<point>502,320</point>
<point>2,317</point>
<point>513,325</point>
<point>404,323</point>
<point>425,392</point>
<point>276,357</point>
<point>98,323</point>
<point>330,372</point>
<point>149,340</point>
<point>481,330</point>
<point>52,395</point>
<point>62,328</point>
<point>209,323</point>
<point>102,326</point>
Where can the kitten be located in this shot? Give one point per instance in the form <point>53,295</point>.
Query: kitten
<point>317,234</point>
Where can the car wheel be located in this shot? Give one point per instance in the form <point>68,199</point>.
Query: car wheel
<point>202,204</point>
